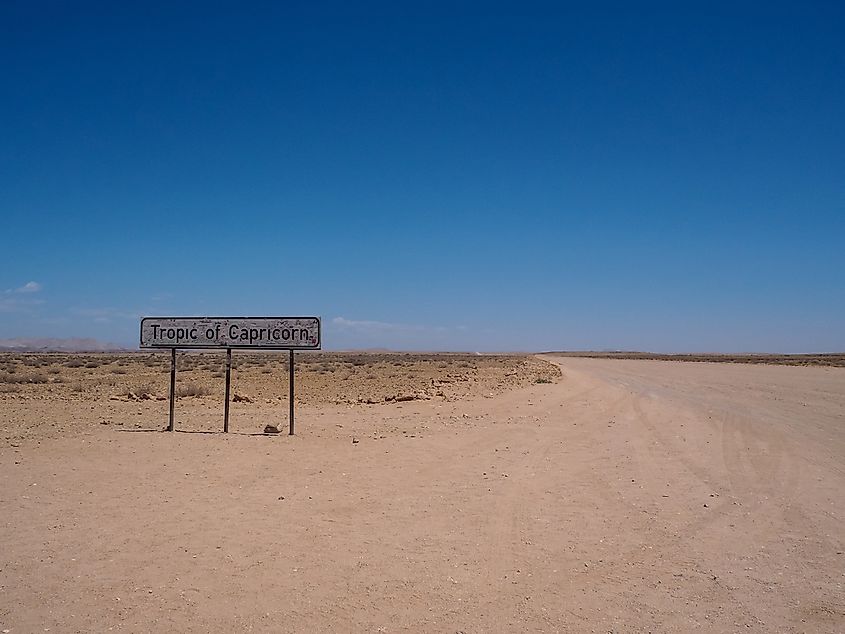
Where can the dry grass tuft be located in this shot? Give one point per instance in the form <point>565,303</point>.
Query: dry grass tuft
<point>143,391</point>
<point>192,389</point>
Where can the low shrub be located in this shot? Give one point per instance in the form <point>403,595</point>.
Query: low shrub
<point>143,390</point>
<point>27,377</point>
<point>192,389</point>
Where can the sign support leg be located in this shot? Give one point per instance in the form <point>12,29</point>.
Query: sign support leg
<point>228,381</point>
<point>172,387</point>
<point>291,393</point>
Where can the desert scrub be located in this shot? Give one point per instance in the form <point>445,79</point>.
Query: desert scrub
<point>192,389</point>
<point>142,390</point>
<point>26,377</point>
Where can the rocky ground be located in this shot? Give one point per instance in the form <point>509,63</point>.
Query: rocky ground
<point>42,395</point>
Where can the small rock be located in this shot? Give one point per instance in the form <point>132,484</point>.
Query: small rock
<point>354,441</point>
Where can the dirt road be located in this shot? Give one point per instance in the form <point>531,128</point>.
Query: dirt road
<point>628,496</point>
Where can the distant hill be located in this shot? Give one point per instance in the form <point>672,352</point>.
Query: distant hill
<point>46,344</point>
<point>822,358</point>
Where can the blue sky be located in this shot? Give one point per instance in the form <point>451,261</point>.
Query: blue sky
<point>463,176</point>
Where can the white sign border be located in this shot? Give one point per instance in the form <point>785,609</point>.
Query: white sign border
<point>167,346</point>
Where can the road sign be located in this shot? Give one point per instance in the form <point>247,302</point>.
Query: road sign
<point>254,333</point>
<point>268,333</point>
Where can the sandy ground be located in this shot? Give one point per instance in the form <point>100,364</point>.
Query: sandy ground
<point>621,496</point>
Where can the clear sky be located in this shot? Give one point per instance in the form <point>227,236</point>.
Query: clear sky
<point>465,176</point>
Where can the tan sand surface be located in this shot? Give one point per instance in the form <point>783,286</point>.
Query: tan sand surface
<point>505,496</point>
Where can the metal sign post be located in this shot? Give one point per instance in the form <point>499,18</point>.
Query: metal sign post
<point>267,333</point>
<point>172,386</point>
<point>228,381</point>
<point>291,394</point>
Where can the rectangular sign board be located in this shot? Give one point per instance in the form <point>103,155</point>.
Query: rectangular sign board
<point>267,333</point>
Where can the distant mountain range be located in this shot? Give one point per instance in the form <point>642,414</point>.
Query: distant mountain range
<point>47,344</point>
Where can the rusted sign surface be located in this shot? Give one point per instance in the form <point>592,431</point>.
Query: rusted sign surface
<point>270,333</point>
